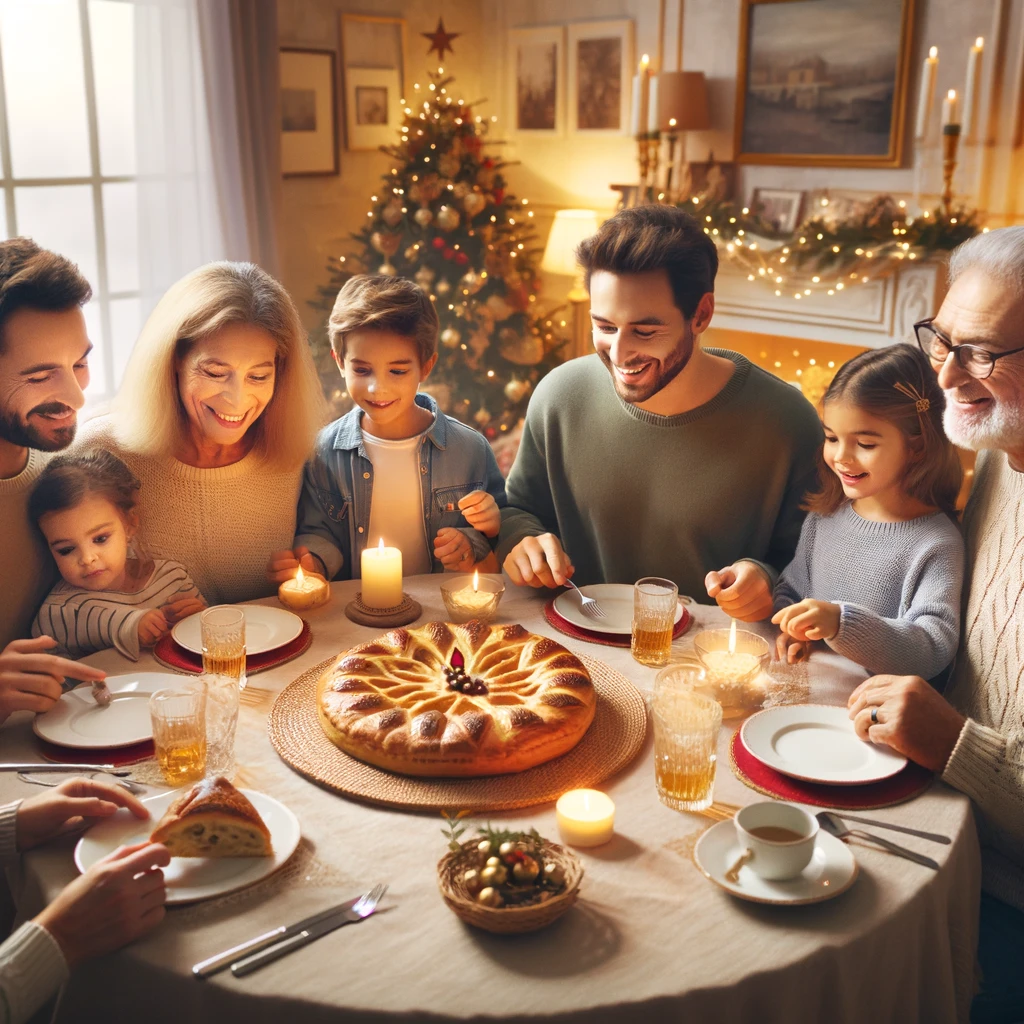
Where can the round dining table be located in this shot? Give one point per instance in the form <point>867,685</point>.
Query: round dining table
<point>650,938</point>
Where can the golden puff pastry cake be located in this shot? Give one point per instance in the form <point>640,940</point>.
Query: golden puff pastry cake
<point>213,819</point>
<point>465,700</point>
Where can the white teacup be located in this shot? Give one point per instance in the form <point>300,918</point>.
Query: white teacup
<point>779,836</point>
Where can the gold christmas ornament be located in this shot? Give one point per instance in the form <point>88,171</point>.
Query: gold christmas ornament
<point>494,874</point>
<point>392,213</point>
<point>423,216</point>
<point>493,862</point>
<point>448,218</point>
<point>450,337</point>
<point>423,277</point>
<point>411,254</point>
<point>554,873</point>
<point>387,269</point>
<point>489,897</point>
<point>472,282</point>
<point>386,242</point>
<point>506,848</point>
<point>525,870</point>
<point>499,308</point>
<point>482,417</point>
<point>471,879</point>
<point>516,390</point>
<point>473,204</point>
<point>462,189</point>
<point>484,847</point>
<point>523,351</point>
<point>444,286</point>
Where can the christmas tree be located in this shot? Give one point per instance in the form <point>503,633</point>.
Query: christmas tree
<point>445,219</point>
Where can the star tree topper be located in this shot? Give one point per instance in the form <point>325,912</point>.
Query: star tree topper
<point>440,40</point>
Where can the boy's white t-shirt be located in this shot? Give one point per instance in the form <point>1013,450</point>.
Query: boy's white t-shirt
<point>396,508</point>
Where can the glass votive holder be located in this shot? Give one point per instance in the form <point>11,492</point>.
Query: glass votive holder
<point>472,597</point>
<point>178,716</point>
<point>732,675</point>
<point>222,700</point>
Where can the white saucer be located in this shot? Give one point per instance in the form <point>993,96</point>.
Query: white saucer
<point>266,629</point>
<point>833,869</point>
<point>616,601</point>
<point>817,743</point>
<point>189,879</point>
<point>76,720</point>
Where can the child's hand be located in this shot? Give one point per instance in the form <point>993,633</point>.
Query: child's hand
<point>809,620</point>
<point>282,564</point>
<point>175,611</point>
<point>481,512</point>
<point>791,651</point>
<point>742,591</point>
<point>452,548</point>
<point>152,626</point>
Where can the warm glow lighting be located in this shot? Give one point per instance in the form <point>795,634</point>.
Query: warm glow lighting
<point>732,637</point>
<point>586,817</point>
<point>476,580</point>
<point>933,52</point>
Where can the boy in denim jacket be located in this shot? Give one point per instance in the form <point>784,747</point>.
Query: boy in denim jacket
<point>395,467</point>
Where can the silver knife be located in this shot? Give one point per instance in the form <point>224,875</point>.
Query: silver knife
<point>933,836</point>
<point>360,909</point>
<point>51,766</point>
<point>216,963</point>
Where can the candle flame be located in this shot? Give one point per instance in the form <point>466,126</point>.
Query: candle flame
<point>476,580</point>
<point>645,60</point>
<point>380,546</point>
<point>980,42</point>
<point>732,637</point>
<point>300,576</point>
<point>951,95</point>
<point>933,52</point>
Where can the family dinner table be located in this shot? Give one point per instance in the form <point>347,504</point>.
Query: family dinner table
<point>650,939</point>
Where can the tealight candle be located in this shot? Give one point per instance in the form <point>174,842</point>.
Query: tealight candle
<point>304,590</point>
<point>586,817</point>
<point>381,571</point>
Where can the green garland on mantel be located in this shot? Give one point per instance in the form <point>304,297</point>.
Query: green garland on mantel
<point>825,255</point>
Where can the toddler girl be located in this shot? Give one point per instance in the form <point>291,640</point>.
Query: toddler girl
<point>84,506</point>
<point>879,565</point>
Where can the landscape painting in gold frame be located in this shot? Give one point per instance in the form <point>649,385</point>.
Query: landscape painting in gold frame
<point>823,82</point>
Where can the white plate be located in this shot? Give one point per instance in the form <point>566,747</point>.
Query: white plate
<point>76,720</point>
<point>832,870</point>
<point>817,743</point>
<point>189,879</point>
<point>266,629</point>
<point>616,600</point>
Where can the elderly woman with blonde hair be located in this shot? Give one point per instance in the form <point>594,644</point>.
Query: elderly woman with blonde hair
<point>217,413</point>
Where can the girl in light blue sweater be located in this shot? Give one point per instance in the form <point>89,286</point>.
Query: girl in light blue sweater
<point>879,566</point>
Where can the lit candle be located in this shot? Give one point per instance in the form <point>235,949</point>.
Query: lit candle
<point>586,817</point>
<point>927,95</point>
<point>950,109</point>
<point>472,598</point>
<point>641,97</point>
<point>381,571</point>
<point>728,665</point>
<point>972,88</point>
<point>304,590</point>
<point>652,105</point>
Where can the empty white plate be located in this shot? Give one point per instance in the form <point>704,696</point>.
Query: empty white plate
<point>817,743</point>
<point>189,879</point>
<point>832,870</point>
<point>616,600</point>
<point>266,629</point>
<point>76,720</point>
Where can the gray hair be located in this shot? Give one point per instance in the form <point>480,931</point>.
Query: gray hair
<point>998,253</point>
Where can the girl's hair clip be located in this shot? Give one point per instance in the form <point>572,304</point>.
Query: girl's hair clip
<point>921,404</point>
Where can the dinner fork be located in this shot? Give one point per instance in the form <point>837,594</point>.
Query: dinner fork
<point>588,605</point>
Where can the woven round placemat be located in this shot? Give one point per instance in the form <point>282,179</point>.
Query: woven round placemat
<point>614,738</point>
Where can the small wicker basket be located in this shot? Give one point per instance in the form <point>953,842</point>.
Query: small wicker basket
<point>507,920</point>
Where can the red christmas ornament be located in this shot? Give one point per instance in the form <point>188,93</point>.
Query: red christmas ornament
<point>461,258</point>
<point>490,433</point>
<point>499,195</point>
<point>438,243</point>
<point>488,163</point>
<point>448,253</point>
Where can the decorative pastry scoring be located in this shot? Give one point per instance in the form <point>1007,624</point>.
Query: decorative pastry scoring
<point>453,700</point>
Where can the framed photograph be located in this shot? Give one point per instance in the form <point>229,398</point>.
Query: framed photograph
<point>373,112</point>
<point>780,207</point>
<point>536,62</point>
<point>309,133</point>
<point>710,180</point>
<point>823,82</point>
<point>373,52</point>
<point>601,66</point>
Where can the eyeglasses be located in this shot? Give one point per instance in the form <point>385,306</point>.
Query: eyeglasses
<point>978,362</point>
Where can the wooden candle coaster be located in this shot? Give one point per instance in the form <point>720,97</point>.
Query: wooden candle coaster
<point>401,615</point>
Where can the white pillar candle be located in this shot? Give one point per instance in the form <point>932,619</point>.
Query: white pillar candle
<point>927,94</point>
<point>635,127</point>
<point>586,817</point>
<point>950,109</point>
<point>652,105</point>
<point>972,88</point>
<point>381,571</point>
<point>304,590</point>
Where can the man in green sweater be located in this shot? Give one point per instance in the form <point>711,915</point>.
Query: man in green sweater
<point>655,456</point>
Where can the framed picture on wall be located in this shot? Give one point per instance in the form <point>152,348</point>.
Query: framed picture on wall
<point>780,207</point>
<point>373,52</point>
<point>536,62</point>
<point>309,135</point>
<point>600,76</point>
<point>823,82</point>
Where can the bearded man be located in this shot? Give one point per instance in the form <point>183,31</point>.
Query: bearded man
<point>44,351</point>
<point>655,456</point>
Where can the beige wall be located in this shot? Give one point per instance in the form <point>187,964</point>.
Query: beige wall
<point>576,171</point>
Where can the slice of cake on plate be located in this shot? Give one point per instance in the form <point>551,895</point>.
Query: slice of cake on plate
<point>213,819</point>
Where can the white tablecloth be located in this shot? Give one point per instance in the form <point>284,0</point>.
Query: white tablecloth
<point>651,939</point>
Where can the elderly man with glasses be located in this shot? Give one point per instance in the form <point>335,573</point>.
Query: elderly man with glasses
<point>974,735</point>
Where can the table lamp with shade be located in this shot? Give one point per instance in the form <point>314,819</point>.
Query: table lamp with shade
<point>682,107</point>
<point>569,229</point>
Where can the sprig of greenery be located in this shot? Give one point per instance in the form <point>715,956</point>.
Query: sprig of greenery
<point>454,830</point>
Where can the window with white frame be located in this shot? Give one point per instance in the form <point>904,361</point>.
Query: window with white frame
<point>68,166</point>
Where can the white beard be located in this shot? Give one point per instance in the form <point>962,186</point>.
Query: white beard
<point>1002,426</point>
